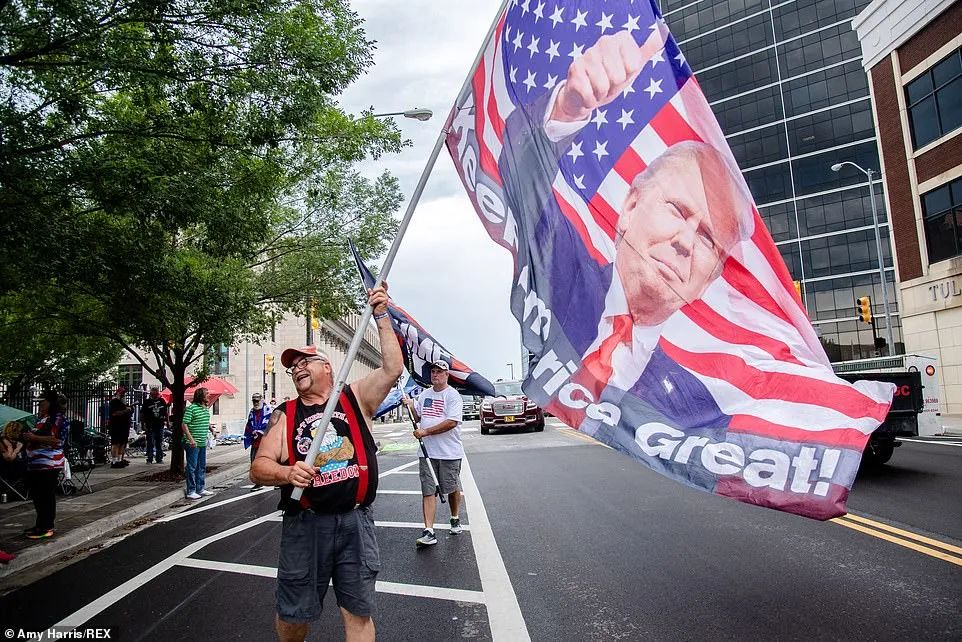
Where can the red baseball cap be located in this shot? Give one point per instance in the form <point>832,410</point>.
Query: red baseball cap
<point>288,356</point>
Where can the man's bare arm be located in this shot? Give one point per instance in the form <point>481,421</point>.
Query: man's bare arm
<point>444,426</point>
<point>372,389</point>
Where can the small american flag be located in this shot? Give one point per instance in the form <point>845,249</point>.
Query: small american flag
<point>433,407</point>
<point>729,391</point>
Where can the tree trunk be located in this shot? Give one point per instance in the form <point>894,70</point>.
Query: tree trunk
<point>177,388</point>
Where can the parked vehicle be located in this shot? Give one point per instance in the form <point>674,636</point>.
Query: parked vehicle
<point>472,407</point>
<point>510,409</point>
<point>903,417</point>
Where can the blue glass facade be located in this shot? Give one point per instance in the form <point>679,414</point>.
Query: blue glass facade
<point>785,80</point>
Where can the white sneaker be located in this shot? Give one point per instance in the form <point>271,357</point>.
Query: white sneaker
<point>193,496</point>
<point>206,492</point>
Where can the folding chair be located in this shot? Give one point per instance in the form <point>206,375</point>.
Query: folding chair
<point>79,452</point>
<point>13,479</point>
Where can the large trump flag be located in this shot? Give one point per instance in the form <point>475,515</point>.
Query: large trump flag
<point>661,316</point>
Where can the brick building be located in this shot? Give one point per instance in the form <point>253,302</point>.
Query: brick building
<point>912,52</point>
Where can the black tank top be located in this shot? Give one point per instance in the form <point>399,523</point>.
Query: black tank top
<point>347,459</point>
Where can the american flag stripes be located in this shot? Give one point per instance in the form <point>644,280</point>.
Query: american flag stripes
<point>433,408</point>
<point>661,316</point>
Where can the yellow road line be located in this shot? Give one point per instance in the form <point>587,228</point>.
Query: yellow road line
<point>903,533</point>
<point>925,550</point>
<point>580,435</point>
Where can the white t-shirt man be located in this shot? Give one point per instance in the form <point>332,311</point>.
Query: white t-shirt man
<point>433,407</point>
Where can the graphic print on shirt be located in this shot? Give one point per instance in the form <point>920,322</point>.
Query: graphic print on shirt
<point>335,452</point>
<point>433,407</point>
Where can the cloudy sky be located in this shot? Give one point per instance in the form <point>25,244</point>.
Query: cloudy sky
<point>448,273</point>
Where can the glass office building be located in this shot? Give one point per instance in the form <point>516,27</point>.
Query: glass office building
<point>785,80</point>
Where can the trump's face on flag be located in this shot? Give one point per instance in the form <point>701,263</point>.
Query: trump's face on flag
<point>678,223</point>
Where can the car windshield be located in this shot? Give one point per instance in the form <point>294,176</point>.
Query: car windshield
<point>506,388</point>
<point>468,398</point>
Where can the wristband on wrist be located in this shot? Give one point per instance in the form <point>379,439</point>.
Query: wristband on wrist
<point>379,316</point>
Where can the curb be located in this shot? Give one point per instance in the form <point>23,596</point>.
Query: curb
<point>84,534</point>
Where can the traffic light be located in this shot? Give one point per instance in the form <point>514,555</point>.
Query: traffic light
<point>798,288</point>
<point>864,308</point>
<point>268,363</point>
<point>315,322</point>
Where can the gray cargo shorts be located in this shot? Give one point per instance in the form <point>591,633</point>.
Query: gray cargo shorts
<point>448,472</point>
<point>317,548</point>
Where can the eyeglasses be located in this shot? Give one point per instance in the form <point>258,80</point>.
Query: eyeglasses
<point>302,364</point>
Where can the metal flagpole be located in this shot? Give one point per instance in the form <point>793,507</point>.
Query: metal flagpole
<point>434,475</point>
<point>319,427</point>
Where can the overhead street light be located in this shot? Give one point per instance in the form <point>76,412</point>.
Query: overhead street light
<point>878,245</point>
<point>418,113</point>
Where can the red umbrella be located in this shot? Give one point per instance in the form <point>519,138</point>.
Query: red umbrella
<point>215,388</point>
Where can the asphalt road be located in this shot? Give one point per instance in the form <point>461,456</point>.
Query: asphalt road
<point>566,540</point>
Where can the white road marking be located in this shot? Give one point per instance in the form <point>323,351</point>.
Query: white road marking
<point>396,588</point>
<point>417,525</point>
<point>937,443</point>
<point>110,598</point>
<point>398,469</point>
<point>188,513</point>
<point>504,614</point>
<point>230,567</point>
<point>398,433</point>
<point>381,491</point>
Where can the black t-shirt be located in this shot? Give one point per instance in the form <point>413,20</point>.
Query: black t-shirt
<point>153,411</point>
<point>335,485</point>
<point>120,421</point>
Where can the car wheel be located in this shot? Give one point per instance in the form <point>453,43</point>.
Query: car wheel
<point>485,430</point>
<point>539,427</point>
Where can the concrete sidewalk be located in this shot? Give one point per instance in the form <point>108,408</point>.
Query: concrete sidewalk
<point>119,497</point>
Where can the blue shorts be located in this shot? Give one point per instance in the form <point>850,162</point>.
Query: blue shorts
<point>317,548</point>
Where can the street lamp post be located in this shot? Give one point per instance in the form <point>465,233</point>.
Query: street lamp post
<point>417,113</point>
<point>511,365</point>
<point>878,245</point>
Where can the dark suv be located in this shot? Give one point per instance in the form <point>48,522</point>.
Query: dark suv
<point>510,409</point>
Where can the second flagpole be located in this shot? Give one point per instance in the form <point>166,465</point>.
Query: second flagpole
<point>319,428</point>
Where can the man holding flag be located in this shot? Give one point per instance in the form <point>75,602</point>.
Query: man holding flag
<point>439,410</point>
<point>328,535</point>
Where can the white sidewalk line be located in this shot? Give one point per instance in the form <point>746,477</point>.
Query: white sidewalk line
<point>110,598</point>
<point>396,588</point>
<point>194,511</point>
<point>504,613</point>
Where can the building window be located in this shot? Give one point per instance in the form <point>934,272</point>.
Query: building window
<point>130,376</point>
<point>219,359</point>
<point>935,101</point>
<point>942,212</point>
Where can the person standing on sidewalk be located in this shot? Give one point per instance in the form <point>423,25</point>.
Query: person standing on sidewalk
<point>45,461</point>
<point>195,426</point>
<point>329,534</point>
<point>439,410</point>
<point>119,423</point>
<point>257,420</point>
<point>153,418</point>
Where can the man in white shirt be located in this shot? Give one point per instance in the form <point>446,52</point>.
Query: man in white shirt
<point>438,409</point>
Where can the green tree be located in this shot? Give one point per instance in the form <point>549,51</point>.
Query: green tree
<point>177,174</point>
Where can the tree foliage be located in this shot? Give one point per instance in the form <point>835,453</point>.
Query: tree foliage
<point>176,174</point>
